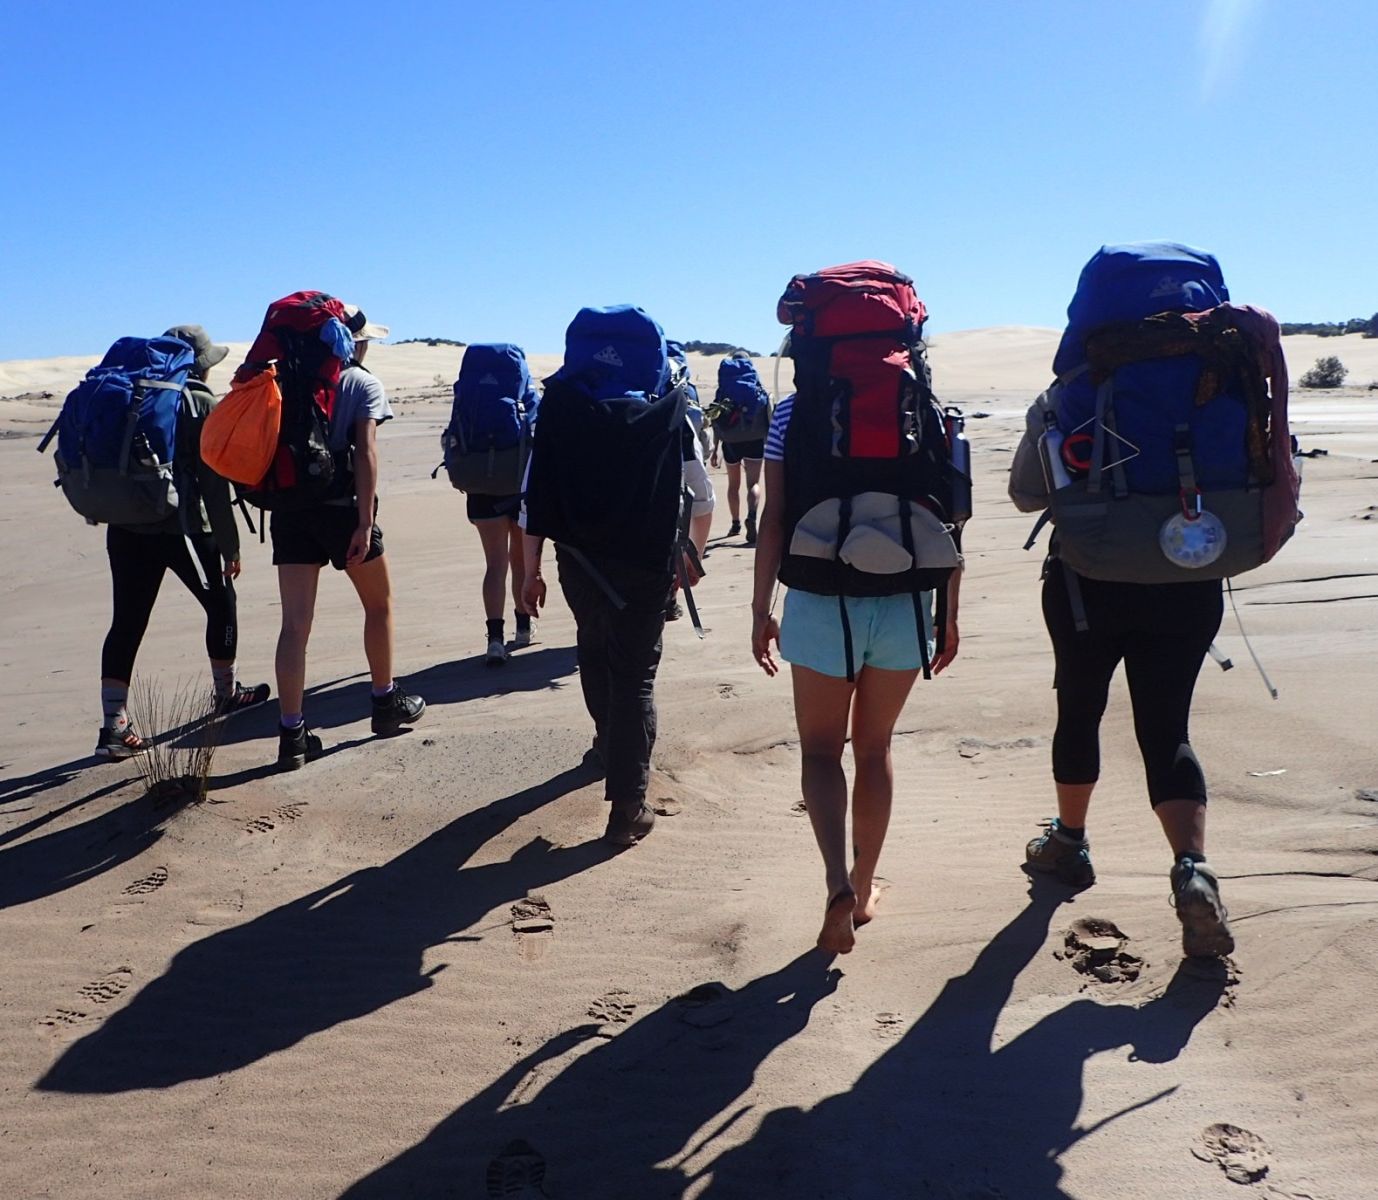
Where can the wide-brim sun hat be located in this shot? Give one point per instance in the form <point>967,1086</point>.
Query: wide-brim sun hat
<point>207,352</point>
<point>361,327</point>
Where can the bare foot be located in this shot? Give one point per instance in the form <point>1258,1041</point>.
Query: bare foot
<point>838,935</point>
<point>866,910</point>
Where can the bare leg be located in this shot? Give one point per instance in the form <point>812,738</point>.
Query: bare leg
<point>1184,823</point>
<point>370,580</point>
<point>516,563</point>
<point>734,487</point>
<point>1073,801</point>
<point>753,486</point>
<point>297,588</point>
<point>494,535</point>
<point>880,697</point>
<point>821,707</point>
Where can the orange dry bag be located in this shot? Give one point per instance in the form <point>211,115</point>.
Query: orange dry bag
<point>240,437</point>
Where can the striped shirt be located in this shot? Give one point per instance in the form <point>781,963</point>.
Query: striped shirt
<point>779,422</point>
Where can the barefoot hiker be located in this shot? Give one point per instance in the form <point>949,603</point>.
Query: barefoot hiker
<point>166,510</point>
<point>863,516</point>
<point>610,414</point>
<point>321,487</point>
<point>1167,424</point>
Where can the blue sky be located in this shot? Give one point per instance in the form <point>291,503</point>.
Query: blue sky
<point>479,171</point>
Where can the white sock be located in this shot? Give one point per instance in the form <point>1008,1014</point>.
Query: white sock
<point>114,701</point>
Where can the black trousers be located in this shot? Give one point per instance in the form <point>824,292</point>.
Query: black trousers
<point>138,562</point>
<point>619,653</point>
<point>1161,632</point>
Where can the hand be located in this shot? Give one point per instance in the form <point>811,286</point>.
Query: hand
<point>688,572</point>
<point>764,630</point>
<point>232,568</point>
<point>533,594</point>
<point>951,641</point>
<point>358,545</point>
<point>714,459</point>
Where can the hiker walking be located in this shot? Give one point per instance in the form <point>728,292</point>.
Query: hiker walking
<point>740,415</point>
<point>867,489</point>
<point>1163,457</point>
<point>611,414</point>
<point>695,447</point>
<point>321,488</point>
<point>129,456</point>
<point>486,445</point>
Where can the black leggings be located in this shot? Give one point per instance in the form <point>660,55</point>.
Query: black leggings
<point>137,564</point>
<point>1162,632</point>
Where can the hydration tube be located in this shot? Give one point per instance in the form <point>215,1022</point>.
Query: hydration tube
<point>1268,683</point>
<point>779,354</point>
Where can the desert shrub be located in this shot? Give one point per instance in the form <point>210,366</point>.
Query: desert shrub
<point>184,732</point>
<point>1328,372</point>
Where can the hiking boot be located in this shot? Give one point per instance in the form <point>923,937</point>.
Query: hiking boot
<point>626,829</point>
<point>396,709</point>
<point>525,637</point>
<point>1054,853</point>
<point>296,747</point>
<point>497,653</point>
<point>119,743</point>
<point>673,611</point>
<point>751,531</point>
<point>241,698</point>
<point>1196,896</point>
<point>734,529</point>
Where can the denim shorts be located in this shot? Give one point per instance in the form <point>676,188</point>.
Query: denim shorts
<point>885,632</point>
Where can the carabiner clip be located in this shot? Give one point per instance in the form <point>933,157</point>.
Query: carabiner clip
<point>1191,503</point>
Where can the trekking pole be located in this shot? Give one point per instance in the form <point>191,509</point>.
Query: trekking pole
<point>1262,674</point>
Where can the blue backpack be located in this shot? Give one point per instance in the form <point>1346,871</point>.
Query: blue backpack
<point>1156,421</point>
<point>490,424</point>
<point>742,405</point>
<point>117,433</point>
<point>616,352</point>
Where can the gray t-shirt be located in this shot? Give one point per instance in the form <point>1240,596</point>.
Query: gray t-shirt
<point>360,395</point>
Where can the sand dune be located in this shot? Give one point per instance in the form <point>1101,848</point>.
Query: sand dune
<point>411,970</point>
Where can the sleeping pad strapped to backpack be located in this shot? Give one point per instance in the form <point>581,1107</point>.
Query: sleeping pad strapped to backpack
<point>873,504</point>
<point>117,433</point>
<point>1162,451</point>
<point>306,339</point>
<point>494,410</point>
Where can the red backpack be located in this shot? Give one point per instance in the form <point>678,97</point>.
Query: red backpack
<point>872,495</point>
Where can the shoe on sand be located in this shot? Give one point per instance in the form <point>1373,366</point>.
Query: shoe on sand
<point>497,653</point>
<point>525,637</point>
<point>626,829</point>
<point>395,710</point>
<point>751,531</point>
<point>112,744</point>
<point>734,529</point>
<point>1054,853</point>
<point>296,747</point>
<point>242,698</point>
<point>1196,896</point>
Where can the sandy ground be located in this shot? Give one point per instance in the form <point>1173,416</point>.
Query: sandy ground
<point>412,970</point>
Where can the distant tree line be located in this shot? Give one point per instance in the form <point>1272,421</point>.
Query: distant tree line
<point>1368,326</point>
<point>429,342</point>
<point>718,348</point>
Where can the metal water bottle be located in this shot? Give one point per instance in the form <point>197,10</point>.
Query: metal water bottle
<point>955,426</point>
<point>1054,469</point>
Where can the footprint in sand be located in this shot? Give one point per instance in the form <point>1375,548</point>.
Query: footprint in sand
<point>1243,1156</point>
<point>889,1025</point>
<point>149,884</point>
<point>612,1009</point>
<point>665,806</point>
<point>727,691</point>
<point>534,927</point>
<point>706,1005</point>
<point>70,1022</point>
<point>1096,947</point>
<point>518,1169</point>
<point>279,816</point>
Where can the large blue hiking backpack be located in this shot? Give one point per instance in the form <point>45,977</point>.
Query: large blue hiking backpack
<point>741,407</point>
<point>117,433</point>
<point>1163,444</point>
<point>494,411</point>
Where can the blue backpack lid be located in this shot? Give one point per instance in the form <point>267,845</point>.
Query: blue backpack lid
<point>615,351</point>
<point>159,357</point>
<point>502,361</point>
<point>1135,280</point>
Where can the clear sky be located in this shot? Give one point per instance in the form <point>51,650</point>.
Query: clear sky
<point>480,170</point>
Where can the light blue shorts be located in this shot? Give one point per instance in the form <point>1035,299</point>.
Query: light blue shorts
<point>885,633</point>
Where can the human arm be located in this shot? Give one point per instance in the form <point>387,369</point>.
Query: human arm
<point>951,637</point>
<point>770,547</point>
<point>365,487</point>
<point>533,585</point>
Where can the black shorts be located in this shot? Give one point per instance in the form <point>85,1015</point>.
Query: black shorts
<point>734,452</point>
<point>491,508</point>
<point>313,537</point>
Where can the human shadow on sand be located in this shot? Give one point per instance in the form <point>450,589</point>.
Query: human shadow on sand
<point>346,700</point>
<point>944,1114</point>
<point>345,950</point>
<point>45,865</point>
<point>621,1107</point>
